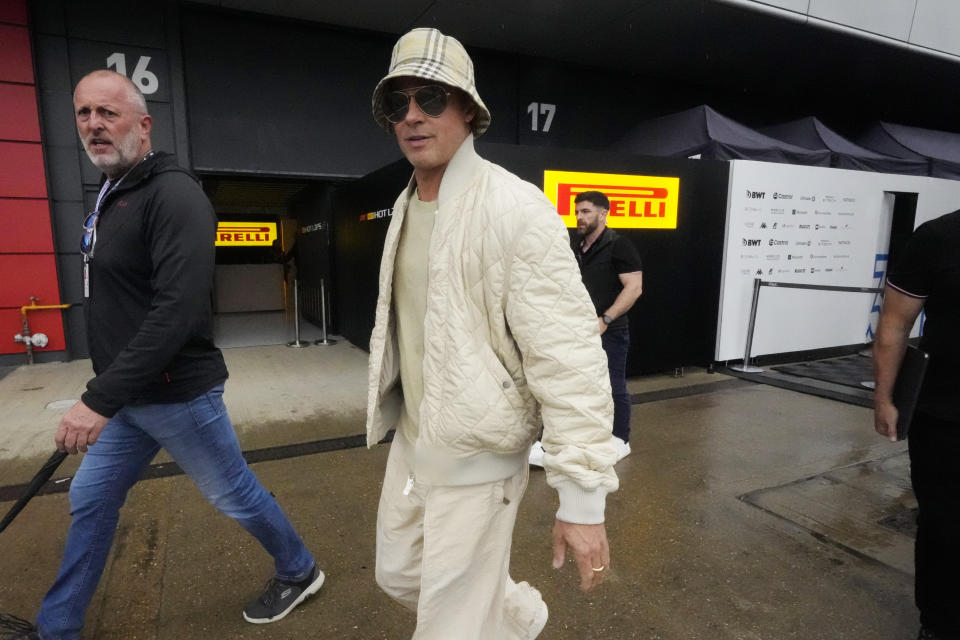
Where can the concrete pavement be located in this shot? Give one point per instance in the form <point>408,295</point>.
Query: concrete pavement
<point>745,512</point>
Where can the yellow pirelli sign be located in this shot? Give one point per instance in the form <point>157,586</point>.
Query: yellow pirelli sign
<point>636,202</point>
<point>246,234</point>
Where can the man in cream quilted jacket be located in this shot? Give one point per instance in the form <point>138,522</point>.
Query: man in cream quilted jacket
<point>484,332</point>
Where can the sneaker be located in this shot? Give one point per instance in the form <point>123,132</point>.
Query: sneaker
<point>536,454</point>
<point>279,598</point>
<point>16,628</point>
<point>623,448</point>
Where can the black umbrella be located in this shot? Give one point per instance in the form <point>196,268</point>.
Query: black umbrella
<point>38,481</point>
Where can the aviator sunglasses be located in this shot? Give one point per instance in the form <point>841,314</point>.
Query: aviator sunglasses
<point>431,100</point>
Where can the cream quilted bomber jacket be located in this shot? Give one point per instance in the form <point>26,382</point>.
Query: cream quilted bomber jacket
<point>510,342</point>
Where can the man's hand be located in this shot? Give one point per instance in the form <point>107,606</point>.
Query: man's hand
<point>885,416</point>
<point>79,428</point>
<point>590,550</point>
<point>603,325</point>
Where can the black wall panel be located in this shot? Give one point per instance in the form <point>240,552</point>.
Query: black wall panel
<point>313,210</point>
<point>279,98</point>
<point>126,22</point>
<point>674,322</point>
<point>498,77</point>
<point>282,98</point>
<point>358,245</point>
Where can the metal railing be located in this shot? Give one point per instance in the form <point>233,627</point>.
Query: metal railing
<point>746,367</point>
<point>324,340</point>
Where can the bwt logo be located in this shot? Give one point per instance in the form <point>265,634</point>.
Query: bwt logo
<point>636,202</point>
<point>757,195</point>
<point>751,242</point>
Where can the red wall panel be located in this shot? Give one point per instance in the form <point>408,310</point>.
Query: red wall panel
<point>20,120</point>
<point>16,62</point>
<point>49,322</point>
<point>27,264</point>
<point>21,170</point>
<point>28,275</point>
<point>14,11</point>
<point>25,226</point>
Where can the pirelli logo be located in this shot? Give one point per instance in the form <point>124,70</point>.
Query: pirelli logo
<point>636,202</point>
<point>246,234</point>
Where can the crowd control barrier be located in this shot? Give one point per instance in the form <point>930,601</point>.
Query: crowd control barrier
<point>746,367</point>
<point>297,343</point>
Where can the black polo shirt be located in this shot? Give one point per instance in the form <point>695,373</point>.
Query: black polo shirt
<point>929,268</point>
<point>601,267</point>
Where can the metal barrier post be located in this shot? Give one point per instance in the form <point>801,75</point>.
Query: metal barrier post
<point>323,316</point>
<point>297,344</point>
<point>746,367</point>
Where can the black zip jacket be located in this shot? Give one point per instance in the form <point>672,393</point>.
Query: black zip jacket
<point>149,316</point>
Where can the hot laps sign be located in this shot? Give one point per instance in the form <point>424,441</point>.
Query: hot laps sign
<point>246,234</point>
<point>636,202</point>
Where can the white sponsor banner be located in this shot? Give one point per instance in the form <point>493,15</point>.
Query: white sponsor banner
<point>816,226</point>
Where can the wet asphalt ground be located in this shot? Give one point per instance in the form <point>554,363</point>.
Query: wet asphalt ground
<point>745,512</point>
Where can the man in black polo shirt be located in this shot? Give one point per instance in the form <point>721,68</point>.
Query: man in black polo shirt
<point>613,276</point>
<point>927,277</point>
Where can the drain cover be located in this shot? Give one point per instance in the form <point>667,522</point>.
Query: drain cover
<point>867,508</point>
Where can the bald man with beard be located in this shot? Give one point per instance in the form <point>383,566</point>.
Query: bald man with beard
<point>148,259</point>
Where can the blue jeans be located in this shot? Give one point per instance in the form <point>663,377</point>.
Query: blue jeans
<point>616,342</point>
<point>198,435</point>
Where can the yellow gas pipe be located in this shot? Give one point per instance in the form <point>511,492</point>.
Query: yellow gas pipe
<point>25,336</point>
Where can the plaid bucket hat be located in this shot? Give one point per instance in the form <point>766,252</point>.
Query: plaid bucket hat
<point>428,54</point>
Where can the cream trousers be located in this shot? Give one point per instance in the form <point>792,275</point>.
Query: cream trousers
<point>444,552</point>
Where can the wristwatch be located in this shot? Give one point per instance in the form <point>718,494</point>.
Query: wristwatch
<point>607,319</point>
